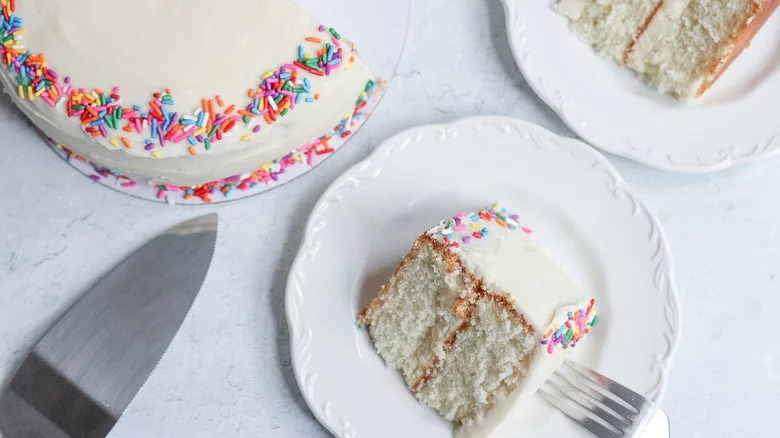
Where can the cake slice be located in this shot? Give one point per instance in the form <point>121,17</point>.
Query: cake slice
<point>679,46</point>
<point>476,317</point>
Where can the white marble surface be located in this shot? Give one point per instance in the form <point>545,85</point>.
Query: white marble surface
<point>227,373</point>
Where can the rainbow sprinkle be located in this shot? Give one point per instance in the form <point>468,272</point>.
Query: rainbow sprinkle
<point>464,228</point>
<point>266,174</point>
<point>103,115</point>
<point>567,334</point>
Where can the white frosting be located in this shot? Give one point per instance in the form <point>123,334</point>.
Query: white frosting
<point>196,48</point>
<point>665,22</point>
<point>571,9</point>
<point>512,262</point>
<point>652,54</point>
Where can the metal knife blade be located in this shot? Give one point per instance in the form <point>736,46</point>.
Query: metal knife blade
<point>80,377</point>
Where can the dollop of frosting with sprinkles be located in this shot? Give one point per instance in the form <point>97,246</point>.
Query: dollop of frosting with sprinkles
<point>464,228</point>
<point>568,333</point>
<point>102,114</point>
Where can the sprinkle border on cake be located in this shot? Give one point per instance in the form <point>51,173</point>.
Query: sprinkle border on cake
<point>471,226</point>
<point>268,173</point>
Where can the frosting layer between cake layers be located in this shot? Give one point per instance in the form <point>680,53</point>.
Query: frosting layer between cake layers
<point>238,84</point>
<point>679,46</point>
<point>505,256</point>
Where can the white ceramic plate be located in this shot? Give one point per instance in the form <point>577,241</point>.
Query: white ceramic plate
<point>365,222</point>
<point>736,121</point>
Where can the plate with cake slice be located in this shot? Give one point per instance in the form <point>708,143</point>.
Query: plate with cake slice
<point>404,324</point>
<point>682,85</point>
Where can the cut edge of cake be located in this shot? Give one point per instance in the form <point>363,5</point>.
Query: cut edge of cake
<point>745,33</point>
<point>421,344</point>
<point>679,46</point>
<point>463,345</point>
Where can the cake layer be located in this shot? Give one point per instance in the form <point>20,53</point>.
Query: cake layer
<point>747,30</point>
<point>412,317</point>
<point>505,415</point>
<point>609,26</point>
<point>685,39</point>
<point>490,353</point>
<point>194,56</point>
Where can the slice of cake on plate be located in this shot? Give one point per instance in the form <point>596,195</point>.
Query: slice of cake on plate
<point>182,93</point>
<point>679,46</point>
<point>476,317</point>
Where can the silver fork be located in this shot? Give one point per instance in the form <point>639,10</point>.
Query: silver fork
<point>601,405</point>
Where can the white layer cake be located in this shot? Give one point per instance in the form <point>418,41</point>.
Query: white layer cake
<point>214,67</point>
<point>679,46</point>
<point>475,318</point>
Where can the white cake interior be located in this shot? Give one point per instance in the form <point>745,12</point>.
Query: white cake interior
<point>679,46</point>
<point>490,353</point>
<point>677,50</point>
<point>465,323</point>
<point>607,25</point>
<point>415,317</point>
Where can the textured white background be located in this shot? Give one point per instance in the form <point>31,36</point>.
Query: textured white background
<point>227,373</point>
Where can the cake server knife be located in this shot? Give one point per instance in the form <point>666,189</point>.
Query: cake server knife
<point>80,377</point>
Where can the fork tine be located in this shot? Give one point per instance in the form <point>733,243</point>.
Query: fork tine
<point>622,409</point>
<point>613,388</point>
<point>565,406</point>
<point>572,392</point>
